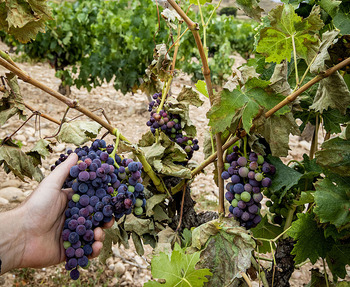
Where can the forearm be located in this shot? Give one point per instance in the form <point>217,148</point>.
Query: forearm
<point>12,243</point>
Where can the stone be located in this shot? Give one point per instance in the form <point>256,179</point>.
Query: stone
<point>111,267</point>
<point>128,276</point>
<point>116,252</point>
<point>114,282</point>
<point>139,260</point>
<point>11,182</point>
<point>12,194</point>
<point>59,148</point>
<point>3,201</point>
<point>21,138</point>
<point>119,269</point>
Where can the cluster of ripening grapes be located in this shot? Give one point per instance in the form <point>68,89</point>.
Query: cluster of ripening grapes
<point>249,178</point>
<point>104,186</point>
<point>170,124</point>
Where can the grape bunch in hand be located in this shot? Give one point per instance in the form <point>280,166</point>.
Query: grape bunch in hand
<point>104,186</point>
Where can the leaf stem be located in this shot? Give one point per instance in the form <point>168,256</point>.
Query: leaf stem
<point>60,127</point>
<point>212,13</point>
<point>289,221</point>
<point>262,274</point>
<point>295,62</point>
<point>325,272</point>
<point>307,70</point>
<point>182,207</point>
<point>314,142</point>
<point>112,155</point>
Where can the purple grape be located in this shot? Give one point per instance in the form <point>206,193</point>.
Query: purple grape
<point>83,261</point>
<point>229,196</point>
<point>81,229</point>
<point>74,274</point>
<point>253,209</point>
<point>242,161</point>
<point>237,212</point>
<point>79,252</point>
<point>256,219</point>
<point>84,200</point>
<point>253,156</point>
<point>73,237</point>
<point>266,182</point>
<point>70,252</point>
<point>87,250</point>
<point>235,179</point>
<point>225,175</point>
<point>243,172</point>
<point>74,171</point>
<point>256,189</point>
<point>72,263</point>
<point>257,197</point>
<point>238,188</point>
<point>253,165</point>
<point>248,187</point>
<point>245,216</point>
<point>241,204</point>
<point>84,176</point>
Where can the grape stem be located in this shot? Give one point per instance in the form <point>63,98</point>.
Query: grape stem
<point>325,272</point>
<point>182,207</point>
<point>314,142</point>
<point>112,155</point>
<point>289,220</point>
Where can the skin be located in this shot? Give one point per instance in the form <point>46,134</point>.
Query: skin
<point>30,235</point>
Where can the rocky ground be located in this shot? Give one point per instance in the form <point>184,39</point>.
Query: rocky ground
<point>129,114</point>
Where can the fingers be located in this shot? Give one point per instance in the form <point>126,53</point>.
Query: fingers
<point>69,192</point>
<point>99,236</point>
<point>60,173</point>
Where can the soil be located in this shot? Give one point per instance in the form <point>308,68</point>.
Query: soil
<point>128,113</point>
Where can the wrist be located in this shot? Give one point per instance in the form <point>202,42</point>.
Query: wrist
<point>12,242</point>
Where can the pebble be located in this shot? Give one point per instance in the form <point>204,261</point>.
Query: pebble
<point>12,194</point>
<point>114,282</point>
<point>111,267</point>
<point>11,182</point>
<point>119,269</point>
<point>139,260</point>
<point>128,276</point>
<point>59,148</point>
<point>116,252</point>
<point>3,201</point>
<point>21,138</point>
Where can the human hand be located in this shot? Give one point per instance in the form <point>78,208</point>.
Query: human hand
<point>37,224</point>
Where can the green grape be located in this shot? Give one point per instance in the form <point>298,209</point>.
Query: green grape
<point>227,165</point>
<point>131,188</point>
<point>274,198</point>
<point>272,209</point>
<point>245,196</point>
<point>269,203</point>
<point>138,210</point>
<point>238,196</point>
<point>234,203</point>
<point>260,159</point>
<point>259,176</point>
<point>75,197</point>
<point>139,202</point>
<point>67,244</point>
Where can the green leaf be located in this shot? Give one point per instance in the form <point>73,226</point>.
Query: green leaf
<point>137,243</point>
<point>251,8</point>
<point>78,132</point>
<point>226,249</point>
<point>11,102</point>
<point>318,280</point>
<point>342,22</point>
<point>201,2</point>
<point>333,93</point>
<point>249,100</point>
<point>284,178</point>
<point>335,156</point>
<point>338,258</point>
<point>202,88</point>
<point>168,167</point>
<point>178,269</point>
<point>138,225</point>
<point>189,96</point>
<point>19,163</point>
<point>268,231</point>
<point>305,198</point>
<point>279,79</point>
<point>332,119</point>
<point>276,42</point>
<point>330,6</point>
<point>332,202</point>
<point>311,242</point>
<point>276,131</point>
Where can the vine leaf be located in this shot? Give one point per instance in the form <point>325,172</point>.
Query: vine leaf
<point>42,147</point>
<point>332,92</point>
<point>285,177</point>
<point>335,156</point>
<point>189,96</point>
<point>276,41</point>
<point>24,19</point>
<point>337,258</point>
<point>11,102</point>
<point>332,119</point>
<point>268,231</point>
<point>78,132</point>
<point>319,64</point>
<point>226,249</point>
<point>202,88</point>
<point>276,130</point>
<point>249,100</point>
<point>19,163</point>
<point>171,17</point>
<point>311,242</point>
<point>138,225</point>
<point>342,22</point>
<point>251,8</point>
<point>332,200</point>
<point>330,6</point>
<point>178,269</point>
<point>153,201</point>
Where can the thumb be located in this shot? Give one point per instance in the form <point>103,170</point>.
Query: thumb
<point>57,177</point>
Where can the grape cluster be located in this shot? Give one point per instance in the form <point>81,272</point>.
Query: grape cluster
<point>104,186</point>
<point>280,207</point>
<point>170,124</point>
<point>248,180</point>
